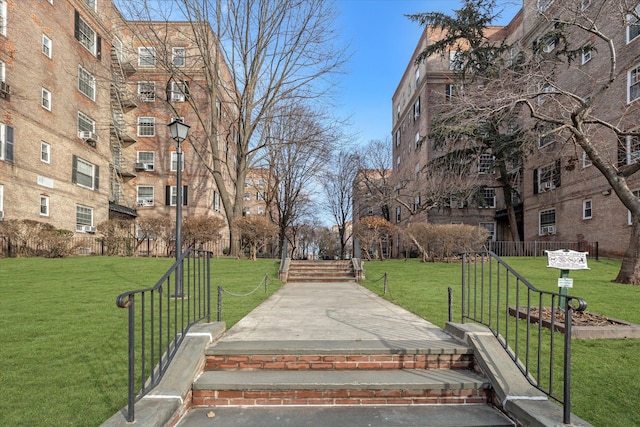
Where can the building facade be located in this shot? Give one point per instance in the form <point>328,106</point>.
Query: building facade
<point>562,196</point>
<point>84,102</point>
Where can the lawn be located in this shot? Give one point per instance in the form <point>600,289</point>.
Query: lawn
<point>604,387</point>
<point>63,340</point>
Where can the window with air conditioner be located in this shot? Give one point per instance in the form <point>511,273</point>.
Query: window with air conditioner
<point>86,83</point>
<point>84,218</point>
<point>628,150</point>
<point>145,195</point>
<point>547,221</point>
<point>179,91</point>
<point>547,177</point>
<point>146,160</point>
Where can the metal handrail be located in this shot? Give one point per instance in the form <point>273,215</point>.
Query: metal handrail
<point>495,295</point>
<point>162,320</point>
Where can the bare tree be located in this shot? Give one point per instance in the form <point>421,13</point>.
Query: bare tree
<point>256,232</point>
<point>255,56</point>
<point>537,84</point>
<point>337,184</point>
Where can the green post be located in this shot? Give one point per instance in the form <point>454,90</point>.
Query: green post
<point>564,274</point>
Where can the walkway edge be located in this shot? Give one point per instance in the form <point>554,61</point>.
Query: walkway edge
<point>519,399</point>
<point>170,399</point>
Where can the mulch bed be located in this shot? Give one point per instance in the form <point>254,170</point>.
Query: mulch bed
<point>583,318</point>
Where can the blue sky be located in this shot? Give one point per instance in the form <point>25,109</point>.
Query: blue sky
<point>382,41</point>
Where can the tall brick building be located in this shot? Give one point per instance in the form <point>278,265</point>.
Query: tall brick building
<point>84,104</point>
<point>562,196</point>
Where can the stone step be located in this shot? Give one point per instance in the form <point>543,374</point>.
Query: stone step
<point>352,416</point>
<point>350,387</point>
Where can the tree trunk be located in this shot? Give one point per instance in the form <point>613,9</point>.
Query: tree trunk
<point>630,268</point>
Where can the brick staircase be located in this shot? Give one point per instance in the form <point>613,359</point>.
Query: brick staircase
<point>321,271</point>
<point>302,374</point>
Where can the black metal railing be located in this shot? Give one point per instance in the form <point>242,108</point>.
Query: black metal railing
<point>159,318</point>
<point>527,322</point>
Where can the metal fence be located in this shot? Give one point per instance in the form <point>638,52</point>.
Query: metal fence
<point>91,245</point>
<point>495,295</point>
<point>159,318</point>
<point>537,248</point>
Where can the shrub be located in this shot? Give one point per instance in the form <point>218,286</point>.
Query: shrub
<point>445,241</point>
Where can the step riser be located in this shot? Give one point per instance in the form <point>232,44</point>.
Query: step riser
<point>330,362</point>
<point>339,397</point>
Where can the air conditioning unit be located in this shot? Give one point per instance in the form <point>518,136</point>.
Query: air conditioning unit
<point>548,229</point>
<point>141,166</point>
<point>88,229</point>
<point>145,202</point>
<point>88,136</point>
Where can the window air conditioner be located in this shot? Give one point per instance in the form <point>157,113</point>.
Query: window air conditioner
<point>548,229</point>
<point>141,166</point>
<point>88,136</point>
<point>88,229</point>
<point>5,89</point>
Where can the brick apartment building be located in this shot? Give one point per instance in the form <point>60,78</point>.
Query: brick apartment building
<point>562,196</point>
<point>84,105</point>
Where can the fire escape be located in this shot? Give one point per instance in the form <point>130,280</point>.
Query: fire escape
<point>121,171</point>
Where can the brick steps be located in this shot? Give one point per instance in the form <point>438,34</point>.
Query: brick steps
<point>355,387</point>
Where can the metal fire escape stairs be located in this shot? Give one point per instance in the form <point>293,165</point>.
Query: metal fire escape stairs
<point>122,101</point>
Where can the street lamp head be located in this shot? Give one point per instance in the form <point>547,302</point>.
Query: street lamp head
<point>178,130</point>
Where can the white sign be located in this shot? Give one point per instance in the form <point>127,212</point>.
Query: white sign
<point>564,259</point>
<point>565,282</point>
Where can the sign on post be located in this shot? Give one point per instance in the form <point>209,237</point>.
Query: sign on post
<point>565,260</point>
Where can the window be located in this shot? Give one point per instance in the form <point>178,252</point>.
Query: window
<point>45,152</point>
<point>584,5</point>
<point>44,205</point>
<point>547,221</point>
<point>586,54</point>
<point>417,171</point>
<point>416,109</point>
<point>92,3</point>
<point>586,162</point>
<point>543,5</point>
<point>147,91</point>
<point>86,123</point>
<point>1,198</point>
<point>545,44</point>
<point>450,91</point>
<point>145,195</point>
<point>3,17</point>
<point>146,126</point>
<point>587,209</point>
<point>171,195</point>
<point>174,161</point>
<point>2,71</point>
<point>542,97</point>
<point>46,46</point>
<point>84,217</point>
<point>417,77</point>
<point>456,203</point>
<point>633,79</point>
<point>628,150</point>
<point>6,143</point>
<point>398,138</point>
<point>455,61</point>
<point>86,35</point>
<point>260,210</point>
<point>259,195</point>
<point>179,91</point>
<point>418,142</point>
<point>491,228</point>
<point>398,213</point>
<point>147,158</point>
<point>485,162</point>
<point>86,83</point>
<point>546,178</point>
<point>247,196</point>
<point>417,203</point>
<point>46,99</point>
<point>545,137</point>
<point>85,174</point>
<point>246,210</point>
<point>633,25</point>
<point>178,56</point>
<point>146,57</point>
<point>489,197</point>
<point>216,201</point>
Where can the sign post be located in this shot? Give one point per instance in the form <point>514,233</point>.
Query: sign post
<point>566,260</point>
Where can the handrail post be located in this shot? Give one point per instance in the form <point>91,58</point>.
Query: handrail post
<point>219,303</point>
<point>131,369</point>
<point>385,283</point>
<point>450,301</point>
<point>568,313</point>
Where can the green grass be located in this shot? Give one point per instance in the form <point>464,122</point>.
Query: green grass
<point>63,341</point>
<point>604,386</point>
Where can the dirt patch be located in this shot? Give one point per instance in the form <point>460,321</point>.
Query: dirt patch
<point>583,318</point>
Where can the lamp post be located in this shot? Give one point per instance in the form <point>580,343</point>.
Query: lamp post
<point>179,132</point>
